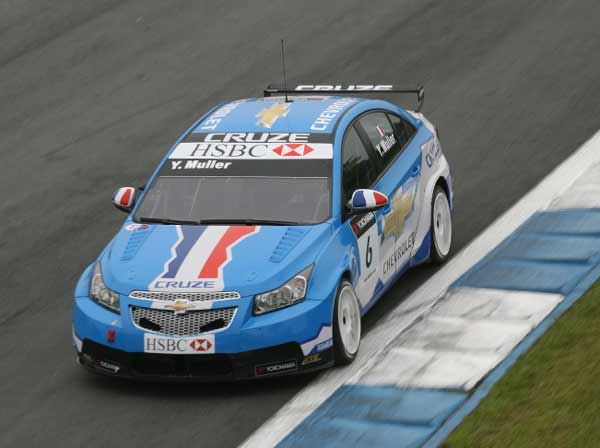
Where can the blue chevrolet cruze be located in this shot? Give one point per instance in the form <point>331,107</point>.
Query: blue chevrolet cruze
<point>270,227</point>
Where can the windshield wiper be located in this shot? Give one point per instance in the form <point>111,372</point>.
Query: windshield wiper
<point>169,221</point>
<point>248,222</point>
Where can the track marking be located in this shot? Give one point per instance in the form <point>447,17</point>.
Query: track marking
<point>414,307</point>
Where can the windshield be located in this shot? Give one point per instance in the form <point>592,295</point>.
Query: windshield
<point>293,200</point>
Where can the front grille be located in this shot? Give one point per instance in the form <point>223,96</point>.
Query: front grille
<point>191,323</point>
<point>190,296</point>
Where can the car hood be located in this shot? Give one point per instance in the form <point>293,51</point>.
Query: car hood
<point>243,259</point>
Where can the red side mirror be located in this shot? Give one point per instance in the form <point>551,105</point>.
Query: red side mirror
<point>364,201</point>
<point>124,199</point>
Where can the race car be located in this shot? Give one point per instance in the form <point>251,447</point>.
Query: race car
<point>266,232</point>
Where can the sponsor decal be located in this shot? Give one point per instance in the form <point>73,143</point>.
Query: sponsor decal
<point>267,117</point>
<point>432,151</point>
<point>113,368</point>
<point>217,152</point>
<point>386,143</point>
<point>324,345</point>
<point>323,341</point>
<point>402,249</point>
<point>163,344</point>
<point>199,165</point>
<point>293,150</point>
<point>328,116</point>
<point>402,207</point>
<point>345,87</point>
<point>310,359</point>
<point>275,367</point>
<point>211,123</point>
<point>133,227</point>
<point>257,137</point>
<point>360,224</point>
<point>199,256</point>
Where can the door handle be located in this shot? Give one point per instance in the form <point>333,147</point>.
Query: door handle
<point>416,170</point>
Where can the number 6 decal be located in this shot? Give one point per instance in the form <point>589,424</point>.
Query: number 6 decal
<point>367,237</point>
<point>369,258</point>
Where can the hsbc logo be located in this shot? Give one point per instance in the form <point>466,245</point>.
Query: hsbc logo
<point>220,152</point>
<point>201,345</point>
<point>293,150</point>
<point>163,344</point>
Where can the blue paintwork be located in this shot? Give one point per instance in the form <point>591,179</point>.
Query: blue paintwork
<point>262,261</point>
<point>371,416</point>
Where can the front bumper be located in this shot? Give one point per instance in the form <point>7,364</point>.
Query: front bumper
<point>291,340</point>
<point>280,360</point>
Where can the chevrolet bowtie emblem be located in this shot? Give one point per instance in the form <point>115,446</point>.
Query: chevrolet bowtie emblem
<point>267,117</point>
<point>180,306</point>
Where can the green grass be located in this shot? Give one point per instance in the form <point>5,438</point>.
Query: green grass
<point>551,396</point>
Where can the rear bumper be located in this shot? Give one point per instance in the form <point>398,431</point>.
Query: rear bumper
<point>285,359</point>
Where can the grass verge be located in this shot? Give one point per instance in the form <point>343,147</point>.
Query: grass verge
<point>551,396</point>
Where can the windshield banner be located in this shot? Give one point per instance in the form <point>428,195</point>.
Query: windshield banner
<point>251,154</point>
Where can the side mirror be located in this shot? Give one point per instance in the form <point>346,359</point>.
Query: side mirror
<point>124,199</point>
<point>364,201</point>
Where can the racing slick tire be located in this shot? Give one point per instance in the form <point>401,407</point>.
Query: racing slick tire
<point>346,324</point>
<point>441,226</point>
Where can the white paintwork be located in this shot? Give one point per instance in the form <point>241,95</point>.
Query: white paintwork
<point>421,301</point>
<point>584,193</point>
<point>405,367</point>
<point>324,335</point>
<point>475,303</point>
<point>465,336</point>
<point>76,341</point>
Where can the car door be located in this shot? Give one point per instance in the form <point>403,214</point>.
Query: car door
<point>388,137</point>
<point>360,169</point>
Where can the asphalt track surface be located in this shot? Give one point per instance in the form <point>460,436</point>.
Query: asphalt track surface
<point>93,92</point>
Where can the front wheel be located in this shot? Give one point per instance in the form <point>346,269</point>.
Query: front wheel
<point>346,324</point>
<point>441,226</point>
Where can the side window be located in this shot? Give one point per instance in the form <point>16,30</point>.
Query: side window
<point>387,133</point>
<point>402,128</point>
<point>358,169</point>
<point>380,133</point>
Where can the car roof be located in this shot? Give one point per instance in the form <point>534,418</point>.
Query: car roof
<point>306,114</point>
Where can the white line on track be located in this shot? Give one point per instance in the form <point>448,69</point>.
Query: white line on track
<point>420,302</point>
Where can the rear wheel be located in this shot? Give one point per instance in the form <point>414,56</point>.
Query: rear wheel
<point>441,226</point>
<point>346,324</point>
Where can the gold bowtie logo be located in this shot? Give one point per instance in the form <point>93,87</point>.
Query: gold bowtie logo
<point>180,306</point>
<point>268,117</point>
<point>402,207</point>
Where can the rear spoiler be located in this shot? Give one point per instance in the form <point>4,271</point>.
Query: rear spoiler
<point>351,89</point>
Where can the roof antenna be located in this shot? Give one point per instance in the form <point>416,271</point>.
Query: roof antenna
<point>284,79</point>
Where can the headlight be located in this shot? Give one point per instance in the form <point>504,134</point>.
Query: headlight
<point>101,294</point>
<point>290,293</point>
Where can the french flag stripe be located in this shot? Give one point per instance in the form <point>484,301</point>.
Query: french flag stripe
<point>379,198</point>
<point>220,254</point>
<point>124,196</point>
<point>359,199</point>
